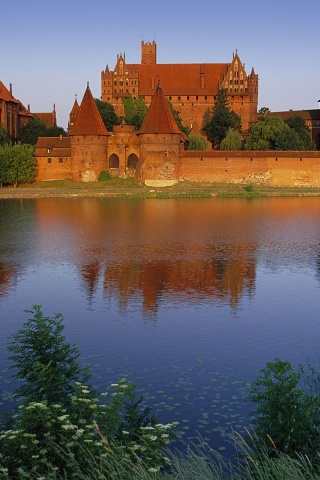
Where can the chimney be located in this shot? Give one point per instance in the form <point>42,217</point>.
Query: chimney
<point>11,89</point>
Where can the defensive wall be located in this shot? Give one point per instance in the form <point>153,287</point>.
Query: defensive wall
<point>274,168</point>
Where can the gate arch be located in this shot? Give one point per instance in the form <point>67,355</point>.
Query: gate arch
<point>113,161</point>
<point>132,161</point>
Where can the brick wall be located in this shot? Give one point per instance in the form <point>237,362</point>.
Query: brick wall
<point>277,168</point>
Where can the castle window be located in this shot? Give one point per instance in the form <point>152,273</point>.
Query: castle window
<point>179,98</point>
<point>197,97</point>
<point>206,98</point>
<point>114,161</point>
<point>49,160</point>
<point>49,150</point>
<point>188,98</point>
<point>60,160</point>
<point>170,98</point>
<point>134,90</point>
<point>115,82</point>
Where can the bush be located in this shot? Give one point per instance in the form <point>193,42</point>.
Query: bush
<point>60,415</point>
<point>287,416</point>
<point>103,175</point>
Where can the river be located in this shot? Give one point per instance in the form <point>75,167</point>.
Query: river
<point>188,298</point>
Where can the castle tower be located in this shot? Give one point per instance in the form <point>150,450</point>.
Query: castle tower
<point>88,141</point>
<point>160,144</point>
<point>148,53</point>
<point>73,115</point>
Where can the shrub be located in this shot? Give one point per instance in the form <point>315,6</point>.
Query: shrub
<point>60,415</point>
<point>287,416</point>
<point>104,175</point>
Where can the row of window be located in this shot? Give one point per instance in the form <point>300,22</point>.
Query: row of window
<point>113,161</point>
<point>60,160</point>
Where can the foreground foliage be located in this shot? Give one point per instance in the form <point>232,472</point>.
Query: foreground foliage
<point>59,412</point>
<point>64,428</point>
<point>287,416</point>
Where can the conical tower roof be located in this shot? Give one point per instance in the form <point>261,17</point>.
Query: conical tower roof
<point>88,121</point>
<point>159,118</point>
<point>75,108</point>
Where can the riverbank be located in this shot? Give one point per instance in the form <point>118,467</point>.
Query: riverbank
<point>126,188</point>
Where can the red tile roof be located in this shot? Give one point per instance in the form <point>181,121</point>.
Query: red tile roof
<point>159,118</point>
<point>88,121</point>
<point>6,95</point>
<point>180,78</point>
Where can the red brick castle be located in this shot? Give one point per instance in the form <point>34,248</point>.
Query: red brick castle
<point>191,87</point>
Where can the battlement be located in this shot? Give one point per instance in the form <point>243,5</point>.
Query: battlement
<point>148,53</point>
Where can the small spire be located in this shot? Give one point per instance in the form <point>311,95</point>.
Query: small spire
<point>88,86</point>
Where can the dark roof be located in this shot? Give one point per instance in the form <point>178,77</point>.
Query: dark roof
<point>59,146</point>
<point>305,114</point>
<point>88,121</point>
<point>159,118</point>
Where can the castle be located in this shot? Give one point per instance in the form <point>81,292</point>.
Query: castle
<point>156,155</point>
<point>191,88</point>
<point>14,115</point>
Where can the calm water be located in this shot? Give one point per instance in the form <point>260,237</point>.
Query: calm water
<point>187,298</point>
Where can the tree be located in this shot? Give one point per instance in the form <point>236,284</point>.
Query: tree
<point>62,425</point>
<point>4,137</point>
<point>135,111</point>
<point>5,159</point>
<point>286,418</point>
<point>232,141</point>
<point>186,130</point>
<point>298,125</point>
<point>263,110</point>
<point>22,165</point>
<point>34,129</point>
<point>222,119</point>
<point>197,142</point>
<point>108,114</point>
<point>272,133</point>
<point>55,131</point>
<point>44,362</point>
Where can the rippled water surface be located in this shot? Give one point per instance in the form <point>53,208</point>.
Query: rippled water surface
<point>187,298</point>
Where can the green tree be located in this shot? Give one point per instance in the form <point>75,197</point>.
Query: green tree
<point>44,362</point>
<point>197,142</point>
<point>186,130</point>
<point>272,133</point>
<point>298,125</point>
<point>222,119</point>
<point>232,141</point>
<point>55,131</point>
<point>4,137</point>
<point>108,114</point>
<point>34,129</point>
<point>263,110</point>
<point>22,165</point>
<point>286,418</point>
<point>5,160</point>
<point>62,422</point>
<point>135,111</point>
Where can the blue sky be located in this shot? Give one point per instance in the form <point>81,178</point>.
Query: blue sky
<point>50,50</point>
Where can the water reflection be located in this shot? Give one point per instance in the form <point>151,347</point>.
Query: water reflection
<point>182,250</point>
<point>228,282</point>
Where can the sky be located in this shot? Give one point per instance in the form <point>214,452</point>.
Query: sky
<point>50,50</point>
